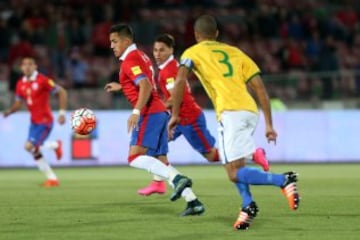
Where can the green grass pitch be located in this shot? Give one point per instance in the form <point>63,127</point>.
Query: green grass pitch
<point>101,203</point>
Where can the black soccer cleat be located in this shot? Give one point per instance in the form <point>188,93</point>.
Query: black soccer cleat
<point>180,183</point>
<point>193,208</point>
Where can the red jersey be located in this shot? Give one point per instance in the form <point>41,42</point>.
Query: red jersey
<point>189,109</point>
<point>136,66</point>
<point>36,91</point>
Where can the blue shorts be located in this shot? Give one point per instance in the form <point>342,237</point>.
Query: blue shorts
<point>152,134</point>
<point>38,133</point>
<point>196,134</point>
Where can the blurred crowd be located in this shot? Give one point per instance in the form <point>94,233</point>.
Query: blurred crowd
<point>286,38</point>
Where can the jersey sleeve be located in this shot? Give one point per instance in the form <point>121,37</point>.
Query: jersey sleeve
<point>169,77</point>
<point>18,94</point>
<point>187,59</point>
<point>50,85</point>
<point>134,70</point>
<point>249,68</point>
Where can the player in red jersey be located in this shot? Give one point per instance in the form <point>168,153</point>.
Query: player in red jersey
<point>192,119</point>
<point>148,121</point>
<point>34,89</point>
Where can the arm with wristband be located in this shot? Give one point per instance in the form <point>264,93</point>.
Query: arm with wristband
<point>145,89</point>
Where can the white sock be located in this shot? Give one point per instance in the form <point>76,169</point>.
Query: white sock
<point>188,195</point>
<point>152,165</point>
<point>173,172</point>
<point>50,145</point>
<point>46,169</point>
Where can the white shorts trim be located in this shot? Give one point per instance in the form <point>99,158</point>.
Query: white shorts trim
<point>236,130</point>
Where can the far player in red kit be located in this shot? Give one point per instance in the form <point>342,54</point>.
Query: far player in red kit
<point>35,89</point>
<point>192,119</point>
<point>148,121</point>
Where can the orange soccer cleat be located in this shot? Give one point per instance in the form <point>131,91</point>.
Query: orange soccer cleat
<point>246,216</point>
<point>58,150</point>
<point>289,189</point>
<point>51,183</point>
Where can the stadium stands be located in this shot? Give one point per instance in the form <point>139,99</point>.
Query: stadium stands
<point>307,50</point>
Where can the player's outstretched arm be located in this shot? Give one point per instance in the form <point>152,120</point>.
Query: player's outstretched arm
<point>112,87</point>
<point>14,108</point>
<point>256,84</point>
<point>177,97</point>
<point>178,90</point>
<point>62,104</point>
<point>145,89</point>
<point>168,103</point>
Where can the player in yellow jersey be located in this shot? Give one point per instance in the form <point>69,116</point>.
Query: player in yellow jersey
<point>226,72</point>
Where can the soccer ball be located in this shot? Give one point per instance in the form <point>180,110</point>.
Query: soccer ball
<point>83,121</point>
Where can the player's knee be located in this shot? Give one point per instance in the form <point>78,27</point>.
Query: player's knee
<point>213,155</point>
<point>232,176</point>
<point>29,147</point>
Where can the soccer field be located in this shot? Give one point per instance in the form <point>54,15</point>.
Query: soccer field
<point>101,203</point>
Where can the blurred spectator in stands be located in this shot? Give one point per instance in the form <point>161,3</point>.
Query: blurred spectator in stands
<point>15,74</point>
<point>335,28</point>
<point>266,22</point>
<point>291,55</point>
<point>100,34</point>
<point>303,87</point>
<point>316,88</point>
<point>348,16</point>
<point>87,23</point>
<point>20,47</point>
<point>356,50</point>
<point>313,48</point>
<point>328,62</point>
<point>5,38</point>
<point>295,28</point>
<point>281,35</point>
<point>189,21</point>
<point>270,65</point>
<point>124,11</point>
<point>35,35</point>
<point>76,33</point>
<point>44,63</point>
<point>58,41</point>
<point>347,86</point>
<point>16,17</point>
<point>357,81</point>
<point>35,17</point>
<point>77,69</point>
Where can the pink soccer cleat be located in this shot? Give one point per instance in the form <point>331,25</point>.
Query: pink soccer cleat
<point>260,158</point>
<point>154,187</point>
<point>58,150</point>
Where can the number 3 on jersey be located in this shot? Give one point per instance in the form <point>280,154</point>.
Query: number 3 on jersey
<point>225,61</point>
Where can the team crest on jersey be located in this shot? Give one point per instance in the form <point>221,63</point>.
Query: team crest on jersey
<point>35,86</point>
<point>170,82</point>
<point>136,70</point>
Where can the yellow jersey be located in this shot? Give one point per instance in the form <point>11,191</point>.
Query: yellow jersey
<point>223,70</point>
